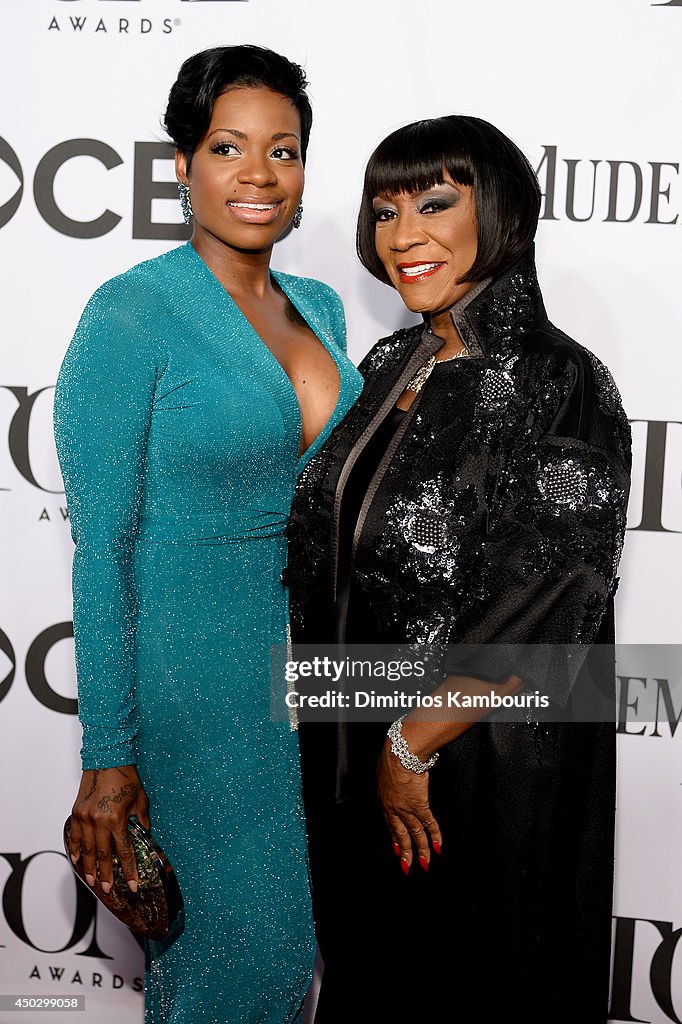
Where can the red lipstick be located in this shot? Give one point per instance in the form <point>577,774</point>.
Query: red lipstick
<point>411,273</point>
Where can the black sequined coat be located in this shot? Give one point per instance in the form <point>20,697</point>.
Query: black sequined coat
<point>496,516</point>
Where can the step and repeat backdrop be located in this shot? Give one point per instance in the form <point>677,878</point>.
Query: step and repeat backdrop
<point>590,90</point>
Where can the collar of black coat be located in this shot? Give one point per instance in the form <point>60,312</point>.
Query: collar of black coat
<point>498,310</point>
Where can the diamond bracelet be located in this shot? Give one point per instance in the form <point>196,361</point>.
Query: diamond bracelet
<point>401,750</point>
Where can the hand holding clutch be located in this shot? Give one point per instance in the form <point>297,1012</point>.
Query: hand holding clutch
<point>156,909</point>
<point>107,798</point>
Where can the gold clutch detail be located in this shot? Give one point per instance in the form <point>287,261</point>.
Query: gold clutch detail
<point>156,910</point>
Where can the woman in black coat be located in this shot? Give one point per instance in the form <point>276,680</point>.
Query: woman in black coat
<point>475,495</point>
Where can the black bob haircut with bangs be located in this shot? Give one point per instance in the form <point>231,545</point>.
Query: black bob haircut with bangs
<point>207,75</point>
<point>473,152</point>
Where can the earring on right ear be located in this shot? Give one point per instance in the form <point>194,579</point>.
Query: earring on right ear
<point>298,216</point>
<point>185,201</point>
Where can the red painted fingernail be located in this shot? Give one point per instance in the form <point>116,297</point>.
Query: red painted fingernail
<point>436,846</point>
<point>405,866</point>
<point>396,849</point>
<point>423,863</point>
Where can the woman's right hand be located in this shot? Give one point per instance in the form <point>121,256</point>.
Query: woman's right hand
<point>99,820</point>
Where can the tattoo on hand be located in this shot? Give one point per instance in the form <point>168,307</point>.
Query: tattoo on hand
<point>126,853</point>
<point>93,787</point>
<point>129,791</point>
<point>124,845</point>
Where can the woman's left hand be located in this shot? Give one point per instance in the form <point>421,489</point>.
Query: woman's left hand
<point>404,794</point>
<point>404,797</point>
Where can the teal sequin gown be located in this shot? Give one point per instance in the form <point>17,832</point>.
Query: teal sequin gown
<point>178,435</point>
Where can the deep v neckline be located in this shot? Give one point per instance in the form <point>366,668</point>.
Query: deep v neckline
<point>273,362</point>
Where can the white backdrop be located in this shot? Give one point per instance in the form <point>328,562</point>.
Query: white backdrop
<point>580,85</point>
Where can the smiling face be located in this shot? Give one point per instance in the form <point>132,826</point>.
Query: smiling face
<point>246,174</point>
<point>426,242</point>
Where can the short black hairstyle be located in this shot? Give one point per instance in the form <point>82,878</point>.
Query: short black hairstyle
<point>473,152</point>
<point>206,75</point>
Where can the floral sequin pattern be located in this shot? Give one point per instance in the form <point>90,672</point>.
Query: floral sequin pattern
<point>426,531</point>
<point>497,388</point>
<point>562,483</point>
<point>568,489</point>
<point>428,523</point>
<point>565,476</point>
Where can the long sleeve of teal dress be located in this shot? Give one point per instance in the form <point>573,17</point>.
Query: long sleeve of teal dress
<point>178,435</point>
<point>105,394</point>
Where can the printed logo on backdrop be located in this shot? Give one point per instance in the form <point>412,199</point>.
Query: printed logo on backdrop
<point>611,191</point>
<point>656,496</point>
<point>646,953</point>
<point>118,18</point>
<point>23,892</point>
<point>649,705</point>
<point>34,664</point>
<point>28,459</point>
<point>146,186</point>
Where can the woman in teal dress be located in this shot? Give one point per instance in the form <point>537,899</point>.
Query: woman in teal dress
<point>197,387</point>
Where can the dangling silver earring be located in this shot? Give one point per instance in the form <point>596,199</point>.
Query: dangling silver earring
<point>185,201</point>
<point>298,216</point>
